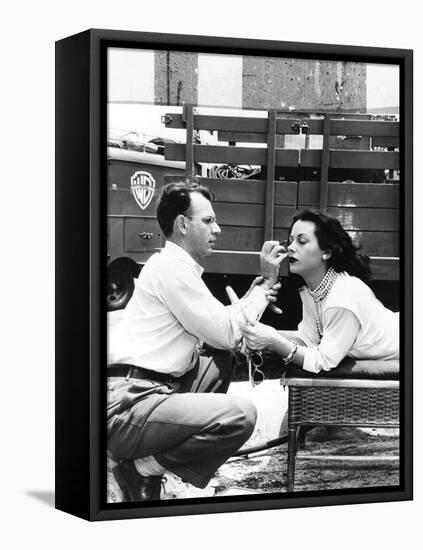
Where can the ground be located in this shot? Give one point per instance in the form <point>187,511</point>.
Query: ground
<point>266,471</point>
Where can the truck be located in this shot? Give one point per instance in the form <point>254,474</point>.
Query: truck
<point>342,163</point>
<point>133,234</point>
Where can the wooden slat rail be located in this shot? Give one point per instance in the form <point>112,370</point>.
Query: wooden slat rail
<point>386,269</point>
<point>232,155</point>
<point>376,195</point>
<point>234,190</point>
<point>363,160</point>
<point>253,191</point>
<point>377,243</point>
<point>369,128</point>
<point>310,158</point>
<point>241,137</point>
<point>205,122</point>
<point>254,137</point>
<point>251,215</point>
<point>368,211</point>
<point>370,219</point>
<point>373,243</point>
<point>352,219</point>
<point>230,261</point>
<point>386,141</point>
<point>370,195</point>
<point>235,237</point>
<point>259,125</point>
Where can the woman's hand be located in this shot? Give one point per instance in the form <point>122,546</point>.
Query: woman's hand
<point>259,336</point>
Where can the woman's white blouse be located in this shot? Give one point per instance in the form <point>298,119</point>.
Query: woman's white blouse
<point>354,322</point>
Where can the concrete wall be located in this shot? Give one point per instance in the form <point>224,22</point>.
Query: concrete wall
<point>175,78</point>
<point>254,82</point>
<point>279,83</point>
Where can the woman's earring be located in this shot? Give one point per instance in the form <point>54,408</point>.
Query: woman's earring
<point>325,256</point>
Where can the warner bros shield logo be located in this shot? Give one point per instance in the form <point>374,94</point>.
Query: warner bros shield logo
<point>142,187</point>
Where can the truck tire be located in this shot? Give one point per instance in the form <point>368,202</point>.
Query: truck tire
<point>120,285</point>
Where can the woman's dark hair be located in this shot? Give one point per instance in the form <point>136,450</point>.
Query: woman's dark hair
<point>332,236</point>
<point>174,199</point>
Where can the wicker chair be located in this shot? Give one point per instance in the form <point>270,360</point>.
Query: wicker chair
<point>355,394</point>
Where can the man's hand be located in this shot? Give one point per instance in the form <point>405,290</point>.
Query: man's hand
<point>271,256</point>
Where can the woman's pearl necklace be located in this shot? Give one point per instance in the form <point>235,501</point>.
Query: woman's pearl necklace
<point>320,292</point>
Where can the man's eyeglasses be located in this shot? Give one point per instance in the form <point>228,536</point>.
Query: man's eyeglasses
<point>208,220</point>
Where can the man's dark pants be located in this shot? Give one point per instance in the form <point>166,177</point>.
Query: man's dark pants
<point>190,426</point>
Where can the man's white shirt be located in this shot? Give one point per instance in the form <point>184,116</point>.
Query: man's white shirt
<point>172,311</point>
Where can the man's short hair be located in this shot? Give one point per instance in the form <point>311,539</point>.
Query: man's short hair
<point>174,199</point>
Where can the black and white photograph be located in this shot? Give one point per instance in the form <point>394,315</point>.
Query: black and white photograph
<point>210,213</point>
<point>253,275</point>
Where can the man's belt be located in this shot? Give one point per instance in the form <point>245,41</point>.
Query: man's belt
<point>132,371</point>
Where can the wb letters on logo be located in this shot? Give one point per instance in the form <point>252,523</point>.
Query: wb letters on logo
<point>142,187</point>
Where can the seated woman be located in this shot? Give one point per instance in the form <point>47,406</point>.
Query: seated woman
<point>341,315</point>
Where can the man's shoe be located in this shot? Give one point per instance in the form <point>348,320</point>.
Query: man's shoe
<point>173,487</point>
<point>134,486</point>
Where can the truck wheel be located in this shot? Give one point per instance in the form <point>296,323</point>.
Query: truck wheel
<point>120,286</point>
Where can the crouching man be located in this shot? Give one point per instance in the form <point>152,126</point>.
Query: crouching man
<point>168,412</point>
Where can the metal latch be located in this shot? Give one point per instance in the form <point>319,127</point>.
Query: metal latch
<point>145,235</point>
<point>166,119</point>
<point>301,127</point>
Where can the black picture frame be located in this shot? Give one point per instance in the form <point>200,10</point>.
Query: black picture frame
<point>81,105</point>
